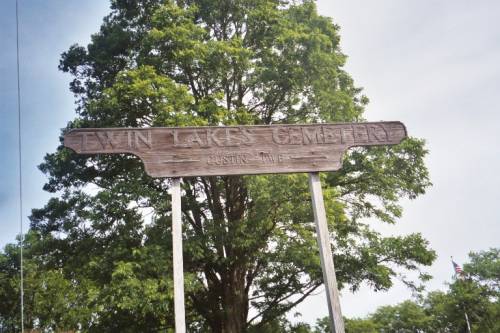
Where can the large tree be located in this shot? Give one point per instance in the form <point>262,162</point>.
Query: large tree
<point>249,243</point>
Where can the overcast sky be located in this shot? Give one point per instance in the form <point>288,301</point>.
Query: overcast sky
<point>433,65</point>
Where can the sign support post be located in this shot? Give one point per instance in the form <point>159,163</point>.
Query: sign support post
<point>180,321</point>
<point>329,278</point>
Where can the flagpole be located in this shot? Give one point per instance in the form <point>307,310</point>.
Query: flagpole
<point>467,321</point>
<point>459,275</point>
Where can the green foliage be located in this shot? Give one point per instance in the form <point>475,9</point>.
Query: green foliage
<point>405,317</point>
<point>358,326</point>
<point>485,268</point>
<point>442,311</point>
<point>281,325</point>
<point>104,241</point>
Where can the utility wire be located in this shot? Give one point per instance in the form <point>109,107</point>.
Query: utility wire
<point>21,237</point>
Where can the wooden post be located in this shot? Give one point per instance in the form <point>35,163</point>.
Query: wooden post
<point>180,321</point>
<point>329,278</point>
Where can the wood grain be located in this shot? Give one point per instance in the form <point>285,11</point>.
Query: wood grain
<point>179,310</point>
<point>326,255</point>
<point>236,150</point>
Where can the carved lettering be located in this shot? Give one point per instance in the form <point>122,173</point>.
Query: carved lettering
<point>236,150</point>
<point>396,131</point>
<point>233,137</point>
<point>248,138</point>
<point>175,133</point>
<point>267,157</point>
<point>360,134</point>
<point>85,141</point>
<point>130,141</point>
<point>221,158</point>
<point>144,138</point>
<point>312,135</point>
<point>177,142</point>
<point>280,136</point>
<point>332,135</point>
<point>107,139</point>
<point>231,141</point>
<point>295,135</point>
<point>195,138</point>
<point>377,133</point>
<point>270,158</point>
<point>347,135</point>
<point>137,140</point>
<point>211,138</point>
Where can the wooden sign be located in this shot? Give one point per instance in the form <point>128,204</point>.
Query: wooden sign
<point>236,150</point>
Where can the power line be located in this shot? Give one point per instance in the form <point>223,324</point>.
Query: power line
<point>21,237</point>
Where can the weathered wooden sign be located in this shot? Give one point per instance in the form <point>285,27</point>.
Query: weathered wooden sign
<point>236,150</point>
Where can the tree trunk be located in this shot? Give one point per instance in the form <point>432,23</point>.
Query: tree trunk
<point>224,304</point>
<point>235,303</point>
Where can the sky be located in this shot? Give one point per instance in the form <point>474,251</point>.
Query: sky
<point>433,65</point>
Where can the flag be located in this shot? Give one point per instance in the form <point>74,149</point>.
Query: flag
<point>458,269</point>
